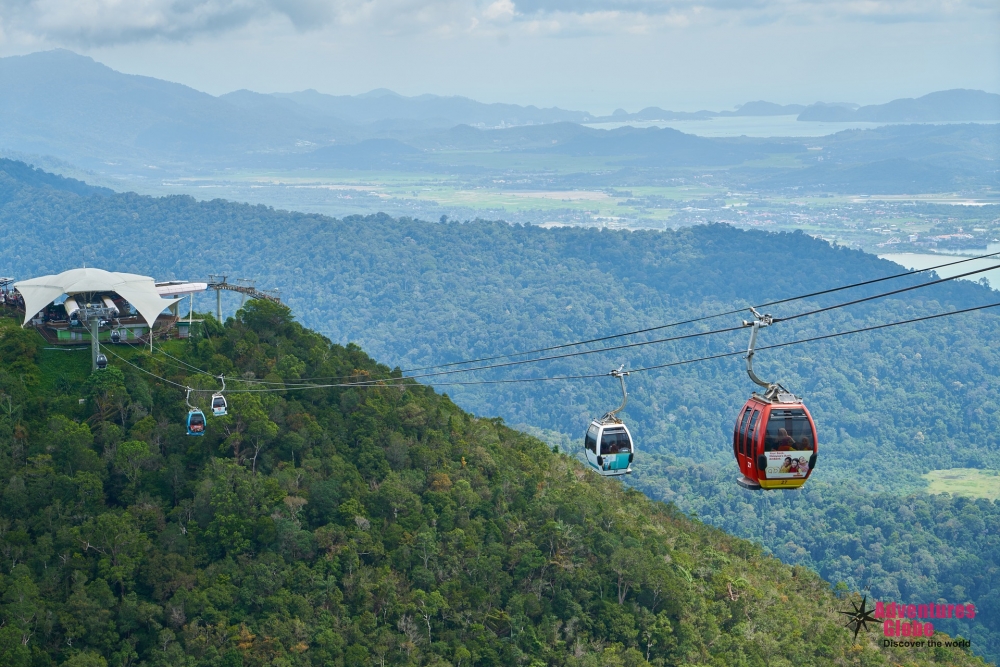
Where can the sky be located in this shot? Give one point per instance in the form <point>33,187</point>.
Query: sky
<point>592,55</point>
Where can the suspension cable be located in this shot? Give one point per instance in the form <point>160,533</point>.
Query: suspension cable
<point>299,383</point>
<point>389,381</point>
<point>140,368</point>
<point>686,336</point>
<point>706,317</point>
<point>879,296</point>
<point>738,352</point>
<point>688,321</point>
<point>212,375</point>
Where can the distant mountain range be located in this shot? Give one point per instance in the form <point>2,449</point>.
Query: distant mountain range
<point>947,105</point>
<point>62,104</point>
<point>758,108</point>
<point>68,108</point>
<point>384,105</point>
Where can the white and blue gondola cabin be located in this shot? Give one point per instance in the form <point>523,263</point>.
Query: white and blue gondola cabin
<point>196,422</point>
<point>609,447</point>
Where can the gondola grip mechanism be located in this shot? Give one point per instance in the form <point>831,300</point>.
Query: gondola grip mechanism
<point>758,322</point>
<point>620,374</point>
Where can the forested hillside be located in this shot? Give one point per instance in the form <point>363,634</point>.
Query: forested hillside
<point>351,526</point>
<point>889,405</point>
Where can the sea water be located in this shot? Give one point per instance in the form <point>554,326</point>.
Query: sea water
<point>912,260</point>
<point>750,126</point>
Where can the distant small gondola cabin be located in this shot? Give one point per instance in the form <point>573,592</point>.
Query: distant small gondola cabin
<point>196,422</point>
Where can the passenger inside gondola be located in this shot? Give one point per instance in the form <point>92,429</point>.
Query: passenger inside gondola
<point>615,442</point>
<point>785,441</point>
<point>788,430</point>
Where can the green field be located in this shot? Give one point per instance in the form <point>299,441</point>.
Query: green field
<point>970,482</point>
<point>428,194</point>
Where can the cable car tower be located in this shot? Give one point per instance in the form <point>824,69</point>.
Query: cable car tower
<point>247,287</point>
<point>94,317</point>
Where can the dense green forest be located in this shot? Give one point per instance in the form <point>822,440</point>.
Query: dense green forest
<point>352,526</point>
<point>906,547</point>
<point>889,405</point>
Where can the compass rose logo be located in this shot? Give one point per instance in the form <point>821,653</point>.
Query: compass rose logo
<point>860,617</point>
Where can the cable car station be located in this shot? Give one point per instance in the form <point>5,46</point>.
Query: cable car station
<point>93,305</point>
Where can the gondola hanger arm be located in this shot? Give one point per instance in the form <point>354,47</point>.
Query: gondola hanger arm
<point>620,374</point>
<point>758,322</point>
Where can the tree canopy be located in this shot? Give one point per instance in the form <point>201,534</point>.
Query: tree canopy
<point>356,526</point>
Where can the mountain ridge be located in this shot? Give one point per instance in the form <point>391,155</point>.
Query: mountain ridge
<point>956,105</point>
<point>420,293</point>
<point>336,527</point>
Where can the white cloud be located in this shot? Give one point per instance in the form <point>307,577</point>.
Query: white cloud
<point>113,21</point>
<point>105,22</point>
<point>499,10</point>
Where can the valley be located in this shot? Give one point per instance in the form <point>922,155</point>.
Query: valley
<point>415,508</point>
<point>879,225</point>
<point>377,522</point>
<point>420,293</point>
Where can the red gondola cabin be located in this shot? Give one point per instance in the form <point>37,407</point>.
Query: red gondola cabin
<point>774,442</point>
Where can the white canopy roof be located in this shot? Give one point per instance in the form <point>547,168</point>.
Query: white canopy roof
<point>140,291</point>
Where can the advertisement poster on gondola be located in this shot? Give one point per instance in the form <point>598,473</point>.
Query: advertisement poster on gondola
<point>787,464</point>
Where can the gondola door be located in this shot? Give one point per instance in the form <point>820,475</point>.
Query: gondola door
<point>747,442</point>
<point>739,439</point>
<point>590,444</point>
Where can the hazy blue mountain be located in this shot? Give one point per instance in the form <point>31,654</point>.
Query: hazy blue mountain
<point>381,105</point>
<point>78,111</point>
<point>758,108</point>
<point>762,108</point>
<point>970,146</point>
<point>891,159</point>
<point>894,159</point>
<point>465,137</point>
<point>946,105</point>
<point>655,114</point>
<point>67,105</point>
<point>668,147</point>
<point>367,154</point>
<point>248,100</point>
<point>25,174</point>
